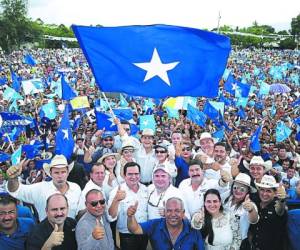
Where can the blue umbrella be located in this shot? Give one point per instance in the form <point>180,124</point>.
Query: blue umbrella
<point>279,88</point>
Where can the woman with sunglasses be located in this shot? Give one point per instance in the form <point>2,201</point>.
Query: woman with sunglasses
<point>219,228</point>
<point>162,157</point>
<point>126,153</point>
<point>239,203</point>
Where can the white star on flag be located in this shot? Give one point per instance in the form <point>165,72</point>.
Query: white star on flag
<point>145,123</point>
<point>156,68</point>
<point>66,134</point>
<point>234,86</point>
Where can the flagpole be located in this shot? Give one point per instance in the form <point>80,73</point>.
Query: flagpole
<point>108,104</point>
<point>219,18</point>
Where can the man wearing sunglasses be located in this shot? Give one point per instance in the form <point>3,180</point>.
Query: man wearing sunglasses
<point>93,230</point>
<point>106,146</point>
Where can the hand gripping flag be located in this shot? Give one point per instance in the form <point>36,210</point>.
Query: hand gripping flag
<point>155,60</point>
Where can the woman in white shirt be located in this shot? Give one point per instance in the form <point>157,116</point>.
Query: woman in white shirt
<point>220,229</point>
<point>239,203</point>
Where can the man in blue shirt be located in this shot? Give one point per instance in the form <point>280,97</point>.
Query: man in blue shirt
<point>171,232</point>
<point>13,231</point>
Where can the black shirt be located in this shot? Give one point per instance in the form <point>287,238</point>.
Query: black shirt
<point>270,231</point>
<point>41,232</point>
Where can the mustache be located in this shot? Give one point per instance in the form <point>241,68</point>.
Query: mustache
<point>196,175</point>
<point>59,216</point>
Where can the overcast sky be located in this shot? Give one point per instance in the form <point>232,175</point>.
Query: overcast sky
<point>190,13</point>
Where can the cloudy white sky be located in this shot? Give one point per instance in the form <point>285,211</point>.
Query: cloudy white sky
<point>191,13</point>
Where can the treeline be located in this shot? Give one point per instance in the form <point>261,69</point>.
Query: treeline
<point>17,30</point>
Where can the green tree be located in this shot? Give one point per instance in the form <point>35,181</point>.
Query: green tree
<point>295,25</point>
<point>15,27</point>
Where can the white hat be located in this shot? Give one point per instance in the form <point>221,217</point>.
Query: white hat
<point>204,135</point>
<point>148,132</point>
<point>166,166</point>
<point>127,145</point>
<point>245,180</point>
<point>268,181</point>
<point>116,155</point>
<point>58,161</point>
<point>258,160</point>
<point>244,135</point>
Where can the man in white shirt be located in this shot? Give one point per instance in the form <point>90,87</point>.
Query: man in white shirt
<point>193,188</point>
<point>38,193</point>
<point>97,176</point>
<point>121,198</point>
<point>160,191</point>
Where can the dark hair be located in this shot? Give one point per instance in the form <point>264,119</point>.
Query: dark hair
<point>196,162</point>
<point>6,199</point>
<point>222,144</point>
<point>124,122</point>
<point>207,230</point>
<point>56,194</point>
<point>129,165</point>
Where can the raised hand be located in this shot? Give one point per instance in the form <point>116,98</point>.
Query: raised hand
<point>281,194</point>
<point>15,171</point>
<point>98,231</point>
<point>132,209</point>
<point>120,195</point>
<point>225,176</point>
<point>56,238</point>
<point>248,204</point>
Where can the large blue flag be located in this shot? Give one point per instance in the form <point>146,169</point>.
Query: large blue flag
<point>8,119</point>
<point>124,114</point>
<point>105,121</point>
<point>210,111</point>
<point>295,103</point>
<point>64,138</point>
<point>155,60</point>
<point>254,140</point>
<point>282,131</point>
<point>4,157</point>
<point>196,116</point>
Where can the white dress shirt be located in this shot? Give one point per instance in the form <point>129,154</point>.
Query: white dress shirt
<point>131,197</point>
<point>195,199</point>
<point>38,193</point>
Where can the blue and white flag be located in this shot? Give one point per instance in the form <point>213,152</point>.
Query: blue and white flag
<point>105,121</point>
<point>4,157</point>
<point>147,121</point>
<point>196,116</point>
<point>123,101</point>
<point>155,60</point>
<point>16,156</point>
<point>172,113</point>
<point>33,86</point>
<point>67,93</point>
<point>10,94</point>
<point>8,119</point>
<point>48,110</point>
<point>219,134</point>
<point>64,139</point>
<point>282,131</point>
<point>15,81</point>
<point>124,114</point>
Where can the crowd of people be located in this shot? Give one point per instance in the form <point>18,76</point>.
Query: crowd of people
<point>175,187</point>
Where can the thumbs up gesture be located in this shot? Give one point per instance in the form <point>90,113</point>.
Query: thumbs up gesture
<point>98,231</point>
<point>281,194</point>
<point>248,204</point>
<point>120,195</point>
<point>132,209</point>
<point>225,176</point>
<point>15,171</point>
<point>56,238</point>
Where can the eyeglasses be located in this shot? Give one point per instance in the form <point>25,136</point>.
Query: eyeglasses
<point>108,139</point>
<point>95,203</point>
<point>127,129</point>
<point>160,151</point>
<point>160,198</point>
<point>186,149</point>
<point>11,212</point>
<point>241,189</point>
<point>128,151</point>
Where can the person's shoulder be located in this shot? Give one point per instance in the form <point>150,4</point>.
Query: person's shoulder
<point>74,186</point>
<point>25,224</point>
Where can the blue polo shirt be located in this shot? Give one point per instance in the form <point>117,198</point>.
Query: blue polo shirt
<point>16,241</point>
<point>188,239</point>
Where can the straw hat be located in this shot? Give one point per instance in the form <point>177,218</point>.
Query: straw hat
<point>58,161</point>
<point>245,180</point>
<point>268,181</point>
<point>116,155</point>
<point>204,135</point>
<point>148,132</point>
<point>258,160</point>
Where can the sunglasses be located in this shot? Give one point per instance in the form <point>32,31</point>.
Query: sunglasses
<point>241,189</point>
<point>186,149</point>
<point>95,203</point>
<point>127,129</point>
<point>160,151</point>
<point>108,139</point>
